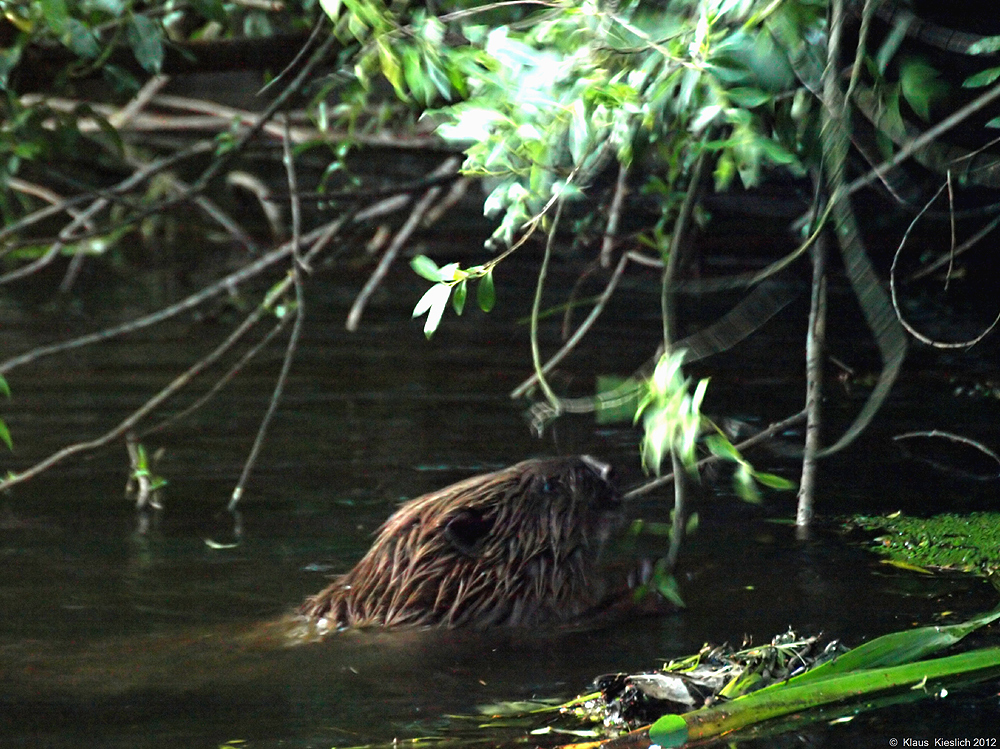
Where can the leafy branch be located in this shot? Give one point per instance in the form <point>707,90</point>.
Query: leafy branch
<point>451,282</point>
<point>673,421</point>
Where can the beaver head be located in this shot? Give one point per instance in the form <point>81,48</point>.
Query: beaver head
<point>514,547</point>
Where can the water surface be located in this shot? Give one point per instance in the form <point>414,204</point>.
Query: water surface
<point>108,638</point>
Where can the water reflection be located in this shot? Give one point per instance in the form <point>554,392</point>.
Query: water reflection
<point>112,640</point>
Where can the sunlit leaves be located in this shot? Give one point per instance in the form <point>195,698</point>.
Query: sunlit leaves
<point>432,303</point>
<point>425,267</point>
<point>671,416</point>
<point>331,8</point>
<point>450,282</point>
<point>985,45</point>
<point>672,422</point>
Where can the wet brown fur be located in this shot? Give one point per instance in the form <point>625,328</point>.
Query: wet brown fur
<point>514,547</point>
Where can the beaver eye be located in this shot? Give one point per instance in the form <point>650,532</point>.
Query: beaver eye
<point>551,486</point>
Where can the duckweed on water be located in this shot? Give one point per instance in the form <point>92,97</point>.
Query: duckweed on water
<point>969,543</point>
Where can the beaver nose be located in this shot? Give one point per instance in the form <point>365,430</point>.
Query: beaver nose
<point>601,468</point>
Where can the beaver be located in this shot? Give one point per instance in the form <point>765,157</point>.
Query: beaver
<point>519,546</point>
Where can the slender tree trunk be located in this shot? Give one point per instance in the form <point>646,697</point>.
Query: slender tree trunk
<point>815,339</point>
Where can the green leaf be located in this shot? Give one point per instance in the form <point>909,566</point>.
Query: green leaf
<point>440,80</point>
<point>666,585</point>
<point>55,13</point>
<point>4,387</point>
<point>772,481</point>
<point>331,8</point>
<point>987,45</point>
<point>580,134</point>
<point>5,435</point>
<point>748,98</point>
<point>391,68</point>
<point>458,299</point>
<point>745,486</point>
<point>213,10</point>
<point>893,649</point>
<point>921,86</point>
<point>669,731</point>
<point>721,447</point>
<point>425,267</point>
<point>982,78</point>
<point>80,39</point>
<point>145,36</point>
<point>890,46</point>
<point>485,293</point>
<point>433,302</point>
<point>413,72</point>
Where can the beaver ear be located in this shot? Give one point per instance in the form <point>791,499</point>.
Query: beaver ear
<point>466,529</point>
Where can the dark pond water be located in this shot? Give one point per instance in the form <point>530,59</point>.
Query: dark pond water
<point>111,639</point>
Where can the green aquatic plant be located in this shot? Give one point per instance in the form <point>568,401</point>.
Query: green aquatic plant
<point>968,543</point>
<point>887,664</point>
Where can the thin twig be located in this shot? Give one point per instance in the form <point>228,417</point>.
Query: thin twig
<point>402,237</point>
<point>536,356</point>
<point>949,257</point>
<point>313,36</point>
<point>299,266</point>
<point>126,114</point>
<point>136,416</point>
<point>325,236</point>
<point>217,386</point>
<point>293,192</point>
<point>279,387</point>
<point>614,216</point>
<point>580,332</point>
<point>668,310</point>
<point>815,343</point>
<point>926,138</point>
<point>226,284</point>
<point>279,102</point>
<point>895,299</point>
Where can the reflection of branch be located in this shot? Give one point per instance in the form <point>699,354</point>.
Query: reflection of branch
<point>323,238</point>
<point>136,416</point>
